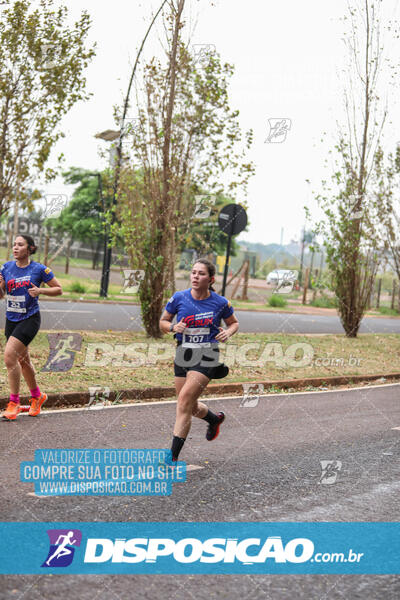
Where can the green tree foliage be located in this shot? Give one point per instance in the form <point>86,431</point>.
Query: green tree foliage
<point>199,233</point>
<point>202,233</point>
<point>42,61</point>
<point>82,219</point>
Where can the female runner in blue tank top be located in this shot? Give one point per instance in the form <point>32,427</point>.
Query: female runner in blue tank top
<point>20,281</point>
<point>199,311</point>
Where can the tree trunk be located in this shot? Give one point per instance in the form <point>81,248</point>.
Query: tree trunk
<point>171,267</point>
<point>370,299</point>
<point>311,270</point>
<point>95,259</point>
<point>245,280</point>
<point>40,243</point>
<point>9,243</point>
<point>378,295</point>
<point>46,248</point>
<point>398,299</point>
<point>151,292</point>
<point>160,268</point>
<point>237,284</point>
<point>304,301</point>
<point>315,290</point>
<point>232,278</point>
<point>67,255</point>
<point>58,251</point>
<point>15,225</point>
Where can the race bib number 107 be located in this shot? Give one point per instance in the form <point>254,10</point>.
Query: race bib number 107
<point>193,337</point>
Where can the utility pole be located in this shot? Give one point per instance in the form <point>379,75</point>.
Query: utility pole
<point>105,272</point>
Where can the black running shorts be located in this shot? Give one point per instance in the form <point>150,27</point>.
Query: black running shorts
<point>24,330</point>
<point>203,360</point>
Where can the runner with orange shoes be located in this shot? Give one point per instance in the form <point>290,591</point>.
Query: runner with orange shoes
<point>20,282</point>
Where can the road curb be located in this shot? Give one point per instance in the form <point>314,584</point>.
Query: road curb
<point>82,398</point>
<point>249,309</point>
<point>91,301</point>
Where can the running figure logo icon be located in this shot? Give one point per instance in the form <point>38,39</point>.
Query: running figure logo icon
<point>353,213</point>
<point>62,547</point>
<point>330,470</point>
<point>203,203</point>
<point>51,55</point>
<point>251,394</point>
<point>62,349</point>
<point>98,396</point>
<point>283,280</point>
<point>202,52</point>
<point>132,280</point>
<point>55,204</point>
<point>278,130</point>
<point>128,127</point>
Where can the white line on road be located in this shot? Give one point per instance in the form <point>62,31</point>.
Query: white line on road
<point>39,496</point>
<point>64,311</point>
<point>398,428</point>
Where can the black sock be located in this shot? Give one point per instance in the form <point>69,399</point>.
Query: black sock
<point>211,418</point>
<point>177,445</point>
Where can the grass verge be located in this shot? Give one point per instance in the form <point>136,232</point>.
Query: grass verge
<point>114,360</point>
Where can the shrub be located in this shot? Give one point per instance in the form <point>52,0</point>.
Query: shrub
<point>385,310</point>
<point>77,287</point>
<point>277,301</point>
<point>324,302</point>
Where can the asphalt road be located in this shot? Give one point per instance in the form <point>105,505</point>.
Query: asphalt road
<point>265,466</point>
<point>72,316</point>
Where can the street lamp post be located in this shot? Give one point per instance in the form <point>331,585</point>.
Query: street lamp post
<point>103,287</point>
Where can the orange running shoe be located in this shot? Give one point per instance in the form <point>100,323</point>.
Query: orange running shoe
<point>12,410</point>
<point>36,405</point>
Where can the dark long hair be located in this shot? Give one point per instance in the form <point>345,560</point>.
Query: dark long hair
<point>210,269</point>
<point>30,241</point>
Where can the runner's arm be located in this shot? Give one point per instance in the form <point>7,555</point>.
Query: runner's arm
<point>55,288</point>
<point>165,321</point>
<point>233,325</point>
<point>2,287</point>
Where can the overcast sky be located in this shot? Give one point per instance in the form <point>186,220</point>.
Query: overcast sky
<point>287,58</point>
